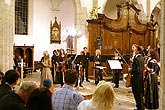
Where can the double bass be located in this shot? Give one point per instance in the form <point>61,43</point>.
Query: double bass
<point>128,78</point>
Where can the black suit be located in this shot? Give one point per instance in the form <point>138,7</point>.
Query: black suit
<point>12,102</point>
<point>137,81</point>
<point>5,89</point>
<point>85,64</point>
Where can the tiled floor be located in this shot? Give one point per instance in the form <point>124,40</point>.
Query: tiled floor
<point>124,98</point>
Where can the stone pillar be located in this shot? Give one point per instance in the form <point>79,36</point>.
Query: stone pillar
<point>148,4</point>
<point>162,56</point>
<point>6,34</point>
<point>80,24</point>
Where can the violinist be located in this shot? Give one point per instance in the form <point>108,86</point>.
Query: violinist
<point>137,77</point>
<point>117,72</point>
<point>61,66</point>
<point>97,62</point>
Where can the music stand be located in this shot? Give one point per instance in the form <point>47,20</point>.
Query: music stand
<point>114,64</point>
<point>80,58</point>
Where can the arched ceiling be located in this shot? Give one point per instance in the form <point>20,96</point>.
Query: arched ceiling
<point>110,9</point>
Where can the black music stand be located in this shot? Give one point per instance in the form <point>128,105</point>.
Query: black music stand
<point>80,58</point>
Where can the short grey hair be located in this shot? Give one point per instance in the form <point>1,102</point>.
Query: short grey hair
<point>28,86</point>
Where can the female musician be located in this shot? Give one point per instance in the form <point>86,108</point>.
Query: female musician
<point>137,77</point>
<point>61,66</point>
<point>46,73</point>
<point>151,80</point>
<point>97,62</point>
<point>117,72</point>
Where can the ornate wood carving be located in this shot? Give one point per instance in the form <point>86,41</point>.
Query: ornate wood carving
<point>119,33</point>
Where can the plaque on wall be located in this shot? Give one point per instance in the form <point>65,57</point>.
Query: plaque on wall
<point>55,32</point>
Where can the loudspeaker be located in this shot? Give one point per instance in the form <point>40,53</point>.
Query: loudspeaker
<point>99,40</point>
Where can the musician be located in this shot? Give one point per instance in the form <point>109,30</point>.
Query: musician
<point>85,63</point>
<point>61,66</point>
<point>54,59</point>
<point>151,80</point>
<point>97,62</point>
<point>117,72</point>
<point>137,77</point>
<point>79,69</point>
<point>46,72</point>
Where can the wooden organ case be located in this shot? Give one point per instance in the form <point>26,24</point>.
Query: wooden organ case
<point>119,33</point>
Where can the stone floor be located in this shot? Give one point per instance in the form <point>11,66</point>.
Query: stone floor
<point>124,98</point>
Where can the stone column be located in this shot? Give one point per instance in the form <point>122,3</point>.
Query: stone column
<point>6,34</point>
<point>80,24</point>
<point>162,56</point>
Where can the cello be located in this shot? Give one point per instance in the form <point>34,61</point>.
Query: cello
<point>128,78</point>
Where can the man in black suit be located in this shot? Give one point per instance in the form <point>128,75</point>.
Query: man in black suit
<point>85,63</point>
<point>10,80</point>
<point>17,101</point>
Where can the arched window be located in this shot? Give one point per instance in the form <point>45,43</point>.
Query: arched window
<point>21,17</point>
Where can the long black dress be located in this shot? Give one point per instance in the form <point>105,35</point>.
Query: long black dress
<point>151,91</point>
<point>137,80</point>
<point>98,72</point>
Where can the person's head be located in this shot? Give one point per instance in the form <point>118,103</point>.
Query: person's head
<point>55,52</point>
<point>85,49</point>
<point>104,96</point>
<point>40,99</point>
<point>11,77</point>
<point>70,77</point>
<point>158,45</point>
<point>98,52</point>
<point>154,54</point>
<point>138,49</point>
<point>26,89</point>
<point>46,54</point>
<point>47,83</point>
<point>148,47</point>
<point>1,77</point>
<point>133,47</point>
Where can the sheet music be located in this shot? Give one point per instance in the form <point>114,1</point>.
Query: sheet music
<point>114,64</point>
<point>100,67</point>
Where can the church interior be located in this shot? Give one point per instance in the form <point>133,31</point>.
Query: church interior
<point>30,27</point>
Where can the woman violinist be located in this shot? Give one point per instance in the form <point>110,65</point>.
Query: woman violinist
<point>117,72</point>
<point>151,80</point>
<point>61,66</point>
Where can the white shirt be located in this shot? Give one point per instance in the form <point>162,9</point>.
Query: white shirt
<point>86,105</point>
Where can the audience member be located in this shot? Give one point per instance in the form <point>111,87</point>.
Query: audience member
<point>102,99</point>
<point>66,98</point>
<point>1,77</point>
<point>40,99</point>
<point>17,101</point>
<point>47,83</point>
<point>10,80</point>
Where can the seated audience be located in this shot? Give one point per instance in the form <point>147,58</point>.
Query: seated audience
<point>102,99</point>
<point>40,99</point>
<point>66,98</point>
<point>1,77</point>
<point>17,101</point>
<point>10,80</point>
